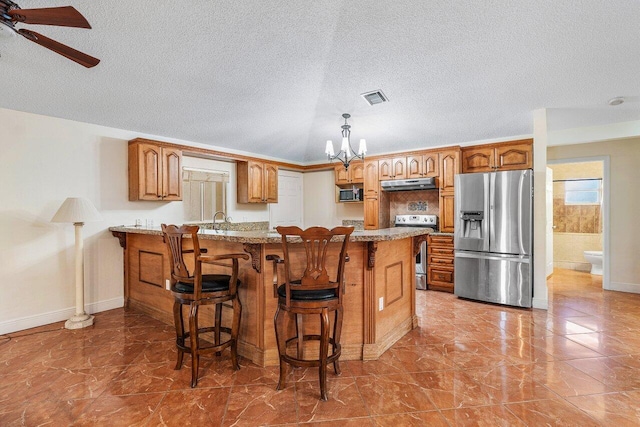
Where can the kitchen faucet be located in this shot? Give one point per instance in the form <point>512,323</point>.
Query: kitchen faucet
<point>224,218</point>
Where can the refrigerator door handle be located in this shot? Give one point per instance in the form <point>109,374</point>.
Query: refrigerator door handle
<point>494,257</point>
<point>520,237</point>
<point>488,213</point>
<point>491,202</point>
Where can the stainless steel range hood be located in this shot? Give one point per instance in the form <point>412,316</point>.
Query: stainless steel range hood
<point>409,184</point>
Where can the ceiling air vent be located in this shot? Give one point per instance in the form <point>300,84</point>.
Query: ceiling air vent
<point>375,97</point>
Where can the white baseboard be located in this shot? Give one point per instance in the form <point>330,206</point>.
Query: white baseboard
<point>41,319</point>
<point>541,303</point>
<point>625,287</point>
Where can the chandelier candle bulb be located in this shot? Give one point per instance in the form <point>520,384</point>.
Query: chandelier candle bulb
<point>329,150</point>
<point>363,147</point>
<point>345,146</point>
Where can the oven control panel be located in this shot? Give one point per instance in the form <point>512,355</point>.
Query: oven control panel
<point>430,221</point>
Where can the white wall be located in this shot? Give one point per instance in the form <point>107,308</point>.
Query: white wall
<point>540,139</point>
<point>45,160</point>
<point>320,207</point>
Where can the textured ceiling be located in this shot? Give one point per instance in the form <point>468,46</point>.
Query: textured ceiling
<point>273,77</point>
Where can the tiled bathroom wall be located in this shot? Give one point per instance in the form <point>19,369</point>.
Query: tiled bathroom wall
<point>574,218</point>
<point>578,228</point>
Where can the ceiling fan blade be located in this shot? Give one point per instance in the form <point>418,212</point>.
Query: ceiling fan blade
<point>66,16</point>
<point>64,50</point>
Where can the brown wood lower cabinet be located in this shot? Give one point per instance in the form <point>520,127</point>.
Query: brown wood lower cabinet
<point>440,263</point>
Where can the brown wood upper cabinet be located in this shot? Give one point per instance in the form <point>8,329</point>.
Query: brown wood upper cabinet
<point>371,195</point>
<point>154,171</point>
<point>353,175</point>
<point>426,165</point>
<point>371,183</point>
<point>395,168</point>
<point>257,182</point>
<point>510,155</point>
<point>449,168</point>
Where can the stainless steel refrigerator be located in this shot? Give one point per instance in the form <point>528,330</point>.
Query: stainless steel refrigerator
<point>493,237</point>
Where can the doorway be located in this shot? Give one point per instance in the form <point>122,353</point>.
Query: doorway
<point>288,210</point>
<point>581,213</point>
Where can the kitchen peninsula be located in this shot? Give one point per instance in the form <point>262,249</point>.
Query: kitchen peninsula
<point>379,296</point>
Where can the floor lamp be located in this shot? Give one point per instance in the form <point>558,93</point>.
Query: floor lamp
<point>78,210</point>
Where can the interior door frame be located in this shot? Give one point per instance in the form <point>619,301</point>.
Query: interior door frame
<point>300,201</point>
<point>606,203</point>
<point>549,224</point>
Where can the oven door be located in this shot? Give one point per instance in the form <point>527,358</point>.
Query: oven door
<point>421,267</point>
<point>421,259</point>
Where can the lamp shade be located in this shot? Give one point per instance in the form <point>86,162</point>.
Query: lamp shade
<point>77,209</point>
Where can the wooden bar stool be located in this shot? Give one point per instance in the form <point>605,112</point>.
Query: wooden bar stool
<point>197,289</point>
<point>311,292</point>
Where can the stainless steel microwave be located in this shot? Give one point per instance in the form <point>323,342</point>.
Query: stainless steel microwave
<point>351,195</point>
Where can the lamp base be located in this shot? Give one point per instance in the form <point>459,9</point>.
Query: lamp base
<point>79,321</point>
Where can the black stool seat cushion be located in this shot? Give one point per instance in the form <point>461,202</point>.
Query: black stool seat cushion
<point>315,295</point>
<point>210,283</point>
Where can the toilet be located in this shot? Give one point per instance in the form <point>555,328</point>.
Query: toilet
<point>595,258</point>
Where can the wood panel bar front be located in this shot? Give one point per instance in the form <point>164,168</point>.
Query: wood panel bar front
<point>379,297</point>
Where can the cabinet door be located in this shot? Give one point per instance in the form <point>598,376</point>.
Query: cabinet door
<point>371,183</point>
<point>171,174</point>
<point>385,169</point>
<point>342,175</point>
<point>270,183</point>
<point>447,212</point>
<point>149,172</point>
<point>449,168</point>
<point>255,182</point>
<point>414,167</point>
<point>154,172</point>
<point>479,159</point>
<point>356,173</point>
<point>430,165</point>
<point>371,208</point>
<point>399,167</point>
<point>514,157</point>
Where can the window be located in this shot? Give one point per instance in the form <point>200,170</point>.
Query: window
<point>204,193</point>
<point>583,192</point>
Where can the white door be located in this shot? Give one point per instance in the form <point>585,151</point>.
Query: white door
<point>549,229</point>
<point>288,210</point>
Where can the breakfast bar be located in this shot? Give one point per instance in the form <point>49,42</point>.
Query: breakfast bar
<point>379,289</point>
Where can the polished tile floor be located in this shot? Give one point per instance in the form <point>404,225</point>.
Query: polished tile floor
<point>468,363</point>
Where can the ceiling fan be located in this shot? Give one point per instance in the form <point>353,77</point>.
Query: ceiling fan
<point>67,16</point>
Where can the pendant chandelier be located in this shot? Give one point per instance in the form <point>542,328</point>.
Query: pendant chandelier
<point>346,153</point>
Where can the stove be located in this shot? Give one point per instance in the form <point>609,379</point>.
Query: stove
<point>425,221</point>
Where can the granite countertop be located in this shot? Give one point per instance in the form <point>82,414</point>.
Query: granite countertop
<point>267,236</point>
<point>439,233</point>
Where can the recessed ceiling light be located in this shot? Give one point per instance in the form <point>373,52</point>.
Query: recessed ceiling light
<point>616,101</point>
<point>374,97</point>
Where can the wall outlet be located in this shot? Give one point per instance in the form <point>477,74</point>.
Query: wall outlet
<point>167,284</point>
<point>381,304</point>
